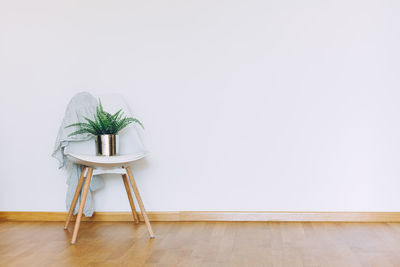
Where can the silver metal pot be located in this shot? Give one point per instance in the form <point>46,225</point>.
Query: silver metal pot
<point>107,145</point>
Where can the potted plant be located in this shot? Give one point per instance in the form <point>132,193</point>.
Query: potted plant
<point>105,127</point>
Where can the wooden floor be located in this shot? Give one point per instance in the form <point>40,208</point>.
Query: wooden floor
<point>201,244</point>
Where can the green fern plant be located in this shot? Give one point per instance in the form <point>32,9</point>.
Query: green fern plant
<point>103,123</point>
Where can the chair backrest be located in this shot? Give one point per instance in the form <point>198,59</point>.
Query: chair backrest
<point>130,141</point>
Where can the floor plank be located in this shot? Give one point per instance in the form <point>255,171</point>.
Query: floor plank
<point>201,244</point>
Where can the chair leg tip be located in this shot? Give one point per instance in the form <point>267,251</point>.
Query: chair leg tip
<point>152,237</point>
<point>72,243</point>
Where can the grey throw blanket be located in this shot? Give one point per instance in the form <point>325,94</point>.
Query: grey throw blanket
<point>81,105</point>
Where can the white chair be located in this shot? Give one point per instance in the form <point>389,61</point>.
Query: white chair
<point>131,149</point>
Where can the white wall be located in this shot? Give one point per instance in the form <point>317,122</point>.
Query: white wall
<point>249,105</point>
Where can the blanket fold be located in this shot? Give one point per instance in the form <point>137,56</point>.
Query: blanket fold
<point>81,105</point>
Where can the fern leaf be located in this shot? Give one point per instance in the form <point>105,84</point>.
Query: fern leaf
<point>95,126</point>
<point>78,124</point>
<point>80,131</point>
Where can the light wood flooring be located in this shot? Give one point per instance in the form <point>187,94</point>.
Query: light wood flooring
<point>201,244</point>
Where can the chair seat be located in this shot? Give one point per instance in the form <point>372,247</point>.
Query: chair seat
<point>104,161</point>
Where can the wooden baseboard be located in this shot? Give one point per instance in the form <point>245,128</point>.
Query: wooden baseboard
<point>163,216</point>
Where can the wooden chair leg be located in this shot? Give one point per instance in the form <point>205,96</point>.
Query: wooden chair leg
<point>140,202</point>
<point>129,193</point>
<point>82,205</point>
<point>75,199</point>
